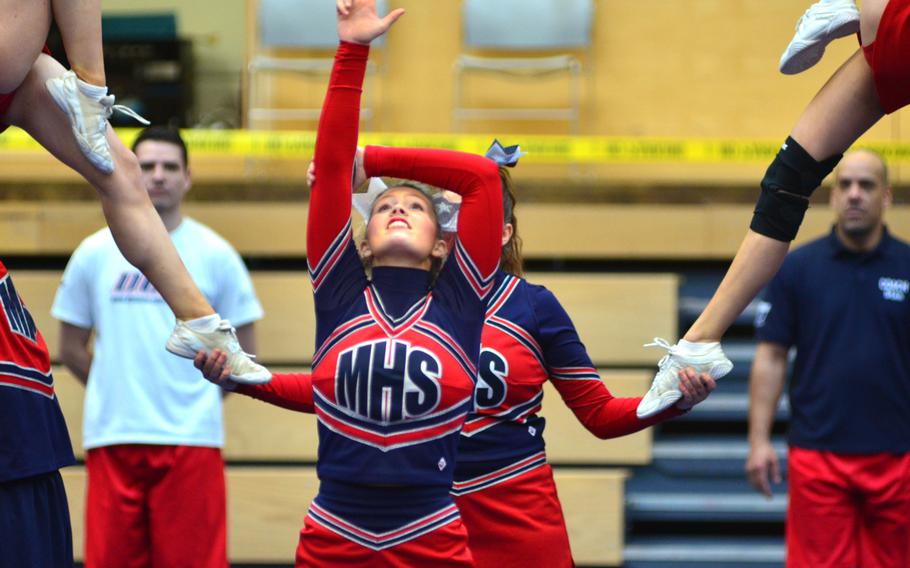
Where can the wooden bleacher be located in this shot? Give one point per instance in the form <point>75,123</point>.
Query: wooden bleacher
<point>599,231</point>
<point>614,312</point>
<point>266,506</point>
<point>266,503</point>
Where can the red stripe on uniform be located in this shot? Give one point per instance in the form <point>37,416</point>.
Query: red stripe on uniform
<point>46,390</point>
<point>390,440</point>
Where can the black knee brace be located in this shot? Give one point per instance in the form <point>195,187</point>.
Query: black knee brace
<point>785,190</point>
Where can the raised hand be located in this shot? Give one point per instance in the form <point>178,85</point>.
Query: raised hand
<point>359,23</point>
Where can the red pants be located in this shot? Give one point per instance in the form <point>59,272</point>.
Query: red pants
<point>848,510</point>
<point>153,506</point>
<point>446,547</point>
<point>889,56</point>
<point>517,523</point>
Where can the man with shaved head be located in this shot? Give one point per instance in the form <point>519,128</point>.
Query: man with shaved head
<point>843,302</point>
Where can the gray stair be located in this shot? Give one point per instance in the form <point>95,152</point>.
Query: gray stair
<point>718,551</point>
<point>702,481</point>
<point>693,507</point>
<point>725,406</point>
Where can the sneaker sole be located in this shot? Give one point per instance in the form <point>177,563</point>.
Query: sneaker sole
<point>258,379</point>
<point>657,405</point>
<point>721,370</point>
<point>802,55</point>
<point>60,99</point>
<point>182,350</point>
<point>650,407</point>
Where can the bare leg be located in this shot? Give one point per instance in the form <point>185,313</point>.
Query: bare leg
<point>842,111</point>
<point>23,31</point>
<point>135,224</point>
<point>80,26</point>
<point>845,108</point>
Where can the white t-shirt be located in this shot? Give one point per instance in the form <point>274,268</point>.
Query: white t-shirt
<point>137,392</point>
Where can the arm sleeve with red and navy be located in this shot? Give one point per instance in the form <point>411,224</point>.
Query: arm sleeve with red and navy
<point>577,381</point>
<point>293,391</point>
<point>477,247</point>
<point>330,249</point>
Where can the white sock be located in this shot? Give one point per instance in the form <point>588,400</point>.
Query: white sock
<point>696,347</point>
<point>95,92</point>
<point>205,324</point>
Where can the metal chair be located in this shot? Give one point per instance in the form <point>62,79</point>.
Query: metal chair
<point>305,25</point>
<point>535,29</point>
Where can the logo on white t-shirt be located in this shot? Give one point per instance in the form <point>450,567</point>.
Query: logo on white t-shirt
<point>133,286</point>
<point>893,289</point>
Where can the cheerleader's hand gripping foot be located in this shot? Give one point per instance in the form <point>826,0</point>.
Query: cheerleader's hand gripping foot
<point>705,357</point>
<point>188,339</point>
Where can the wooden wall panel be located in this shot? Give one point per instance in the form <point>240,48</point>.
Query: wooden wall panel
<point>266,507</point>
<point>259,432</point>
<point>614,313</point>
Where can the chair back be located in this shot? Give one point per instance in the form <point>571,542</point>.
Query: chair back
<point>527,25</point>
<point>302,24</point>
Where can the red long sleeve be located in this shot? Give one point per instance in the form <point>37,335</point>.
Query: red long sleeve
<point>336,144</point>
<point>473,177</point>
<point>293,391</point>
<point>603,414</point>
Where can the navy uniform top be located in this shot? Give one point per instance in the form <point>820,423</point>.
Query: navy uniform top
<point>529,339</point>
<point>848,315</point>
<point>33,435</point>
<point>396,356</point>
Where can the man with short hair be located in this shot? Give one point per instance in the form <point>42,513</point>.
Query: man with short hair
<point>152,429</point>
<point>843,301</point>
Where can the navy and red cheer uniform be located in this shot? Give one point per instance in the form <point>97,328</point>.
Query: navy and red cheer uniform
<point>396,357</point>
<point>504,487</point>
<point>34,444</point>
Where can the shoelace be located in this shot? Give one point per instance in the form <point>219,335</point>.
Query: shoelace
<point>130,113</point>
<point>663,344</point>
<point>225,326</point>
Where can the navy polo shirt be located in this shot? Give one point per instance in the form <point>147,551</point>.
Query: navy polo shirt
<point>848,315</point>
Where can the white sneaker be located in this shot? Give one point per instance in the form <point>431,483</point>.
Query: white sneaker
<point>186,342</point>
<point>664,392</point>
<point>88,107</point>
<point>823,22</point>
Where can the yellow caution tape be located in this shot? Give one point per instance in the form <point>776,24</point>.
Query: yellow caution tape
<point>541,149</point>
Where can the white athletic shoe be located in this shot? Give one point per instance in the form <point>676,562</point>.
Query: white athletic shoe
<point>186,342</point>
<point>88,107</point>
<point>823,22</point>
<point>664,392</point>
